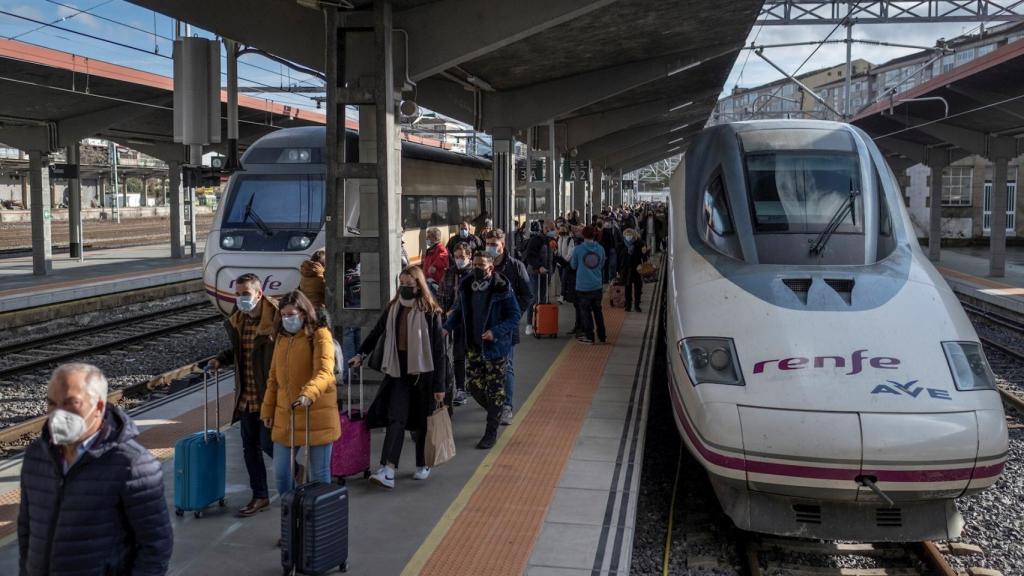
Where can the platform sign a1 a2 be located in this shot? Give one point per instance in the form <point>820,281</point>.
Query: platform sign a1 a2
<point>576,170</point>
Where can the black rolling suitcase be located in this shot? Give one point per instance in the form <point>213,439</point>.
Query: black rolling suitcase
<point>314,523</point>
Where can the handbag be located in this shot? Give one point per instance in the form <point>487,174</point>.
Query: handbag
<point>376,359</point>
<point>647,269</point>
<point>440,445</point>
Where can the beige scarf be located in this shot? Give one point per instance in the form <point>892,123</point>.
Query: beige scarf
<point>419,358</point>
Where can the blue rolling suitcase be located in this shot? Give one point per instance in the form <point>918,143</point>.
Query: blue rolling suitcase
<point>314,523</point>
<point>199,463</point>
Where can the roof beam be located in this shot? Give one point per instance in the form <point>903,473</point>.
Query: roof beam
<point>74,128</point>
<point>664,141</point>
<point>583,129</point>
<point>285,29</point>
<point>564,95</point>
<point>970,140</point>
<point>448,33</point>
<point>448,98</point>
<point>916,152</point>
<point>651,158</point>
<point>985,98</point>
<point>626,138</point>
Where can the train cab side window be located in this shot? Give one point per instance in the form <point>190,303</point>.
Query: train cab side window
<point>716,207</point>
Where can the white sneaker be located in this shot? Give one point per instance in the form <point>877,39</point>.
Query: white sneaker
<point>384,476</point>
<point>561,300</point>
<point>529,330</point>
<point>422,473</point>
<point>506,415</point>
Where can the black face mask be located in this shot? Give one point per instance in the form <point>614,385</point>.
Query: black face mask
<point>479,274</point>
<point>408,292</point>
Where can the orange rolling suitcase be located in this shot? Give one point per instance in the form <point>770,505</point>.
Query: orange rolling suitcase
<point>545,316</point>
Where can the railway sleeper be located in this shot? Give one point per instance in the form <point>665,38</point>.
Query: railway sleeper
<point>834,548</point>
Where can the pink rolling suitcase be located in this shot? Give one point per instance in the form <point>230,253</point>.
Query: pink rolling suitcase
<point>350,454</point>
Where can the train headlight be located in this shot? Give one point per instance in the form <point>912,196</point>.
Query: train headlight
<point>711,361</point>
<point>969,366</point>
<point>231,242</point>
<point>295,156</point>
<point>299,242</point>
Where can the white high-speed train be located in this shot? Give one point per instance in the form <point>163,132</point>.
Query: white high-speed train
<point>821,370</point>
<point>271,217</point>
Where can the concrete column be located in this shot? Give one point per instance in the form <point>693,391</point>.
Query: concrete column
<point>596,187</point>
<point>177,198</point>
<point>935,212</point>
<point>504,179</point>
<point>579,199</point>
<point>39,183</point>
<point>26,201</point>
<point>556,194</point>
<point>997,237</point>
<point>75,234</point>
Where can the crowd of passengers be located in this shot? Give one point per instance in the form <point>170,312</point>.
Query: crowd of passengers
<point>92,498</point>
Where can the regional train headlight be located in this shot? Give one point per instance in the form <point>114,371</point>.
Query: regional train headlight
<point>231,242</point>
<point>969,366</point>
<point>711,361</point>
<point>299,242</point>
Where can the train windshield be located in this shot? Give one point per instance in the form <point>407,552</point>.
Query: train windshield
<point>799,192</point>
<point>276,201</point>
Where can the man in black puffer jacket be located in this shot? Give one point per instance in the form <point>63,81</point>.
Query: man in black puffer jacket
<point>92,498</point>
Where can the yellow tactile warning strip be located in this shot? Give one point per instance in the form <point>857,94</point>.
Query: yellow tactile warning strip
<point>159,439</point>
<point>495,524</point>
<point>971,278</point>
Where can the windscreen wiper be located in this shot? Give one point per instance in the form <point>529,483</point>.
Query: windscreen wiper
<point>250,213</point>
<point>849,207</point>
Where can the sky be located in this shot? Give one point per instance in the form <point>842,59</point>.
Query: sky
<point>149,34</point>
<point>750,70</point>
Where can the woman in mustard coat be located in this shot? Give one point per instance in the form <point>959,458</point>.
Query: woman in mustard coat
<point>301,378</point>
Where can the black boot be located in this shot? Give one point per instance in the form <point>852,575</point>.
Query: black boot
<point>491,433</point>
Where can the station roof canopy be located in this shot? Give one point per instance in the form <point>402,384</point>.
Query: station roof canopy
<point>627,81</point>
<point>976,108</point>
<point>52,99</point>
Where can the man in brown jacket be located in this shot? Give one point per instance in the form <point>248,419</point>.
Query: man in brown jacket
<point>251,330</point>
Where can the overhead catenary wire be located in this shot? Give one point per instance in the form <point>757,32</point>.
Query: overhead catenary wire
<point>62,19</point>
<point>155,35</point>
<point>800,67</point>
<point>119,44</point>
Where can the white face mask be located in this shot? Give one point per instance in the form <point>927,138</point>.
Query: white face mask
<point>246,303</point>
<point>461,264</point>
<point>67,427</point>
<point>292,323</point>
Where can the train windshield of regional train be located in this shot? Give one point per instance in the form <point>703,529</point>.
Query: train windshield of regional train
<point>273,212</point>
<point>807,198</point>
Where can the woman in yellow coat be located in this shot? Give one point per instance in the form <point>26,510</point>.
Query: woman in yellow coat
<point>301,377</point>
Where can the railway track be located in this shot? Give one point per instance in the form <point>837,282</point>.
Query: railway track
<point>768,556</point>
<point>135,398</point>
<point>26,357</point>
<point>1010,397</point>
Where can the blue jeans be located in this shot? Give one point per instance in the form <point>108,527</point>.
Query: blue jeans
<point>510,376</point>
<point>319,465</point>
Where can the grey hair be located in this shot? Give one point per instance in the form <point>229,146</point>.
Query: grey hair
<point>95,381</point>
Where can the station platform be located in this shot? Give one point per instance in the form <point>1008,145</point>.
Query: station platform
<point>966,272</point>
<point>555,497</point>
<point>103,271</point>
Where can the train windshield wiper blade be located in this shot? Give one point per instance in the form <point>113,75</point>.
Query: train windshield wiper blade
<point>250,213</point>
<point>849,207</point>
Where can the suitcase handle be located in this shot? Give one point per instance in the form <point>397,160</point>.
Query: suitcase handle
<point>206,401</point>
<point>348,391</point>
<point>291,449</point>
<point>543,281</point>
